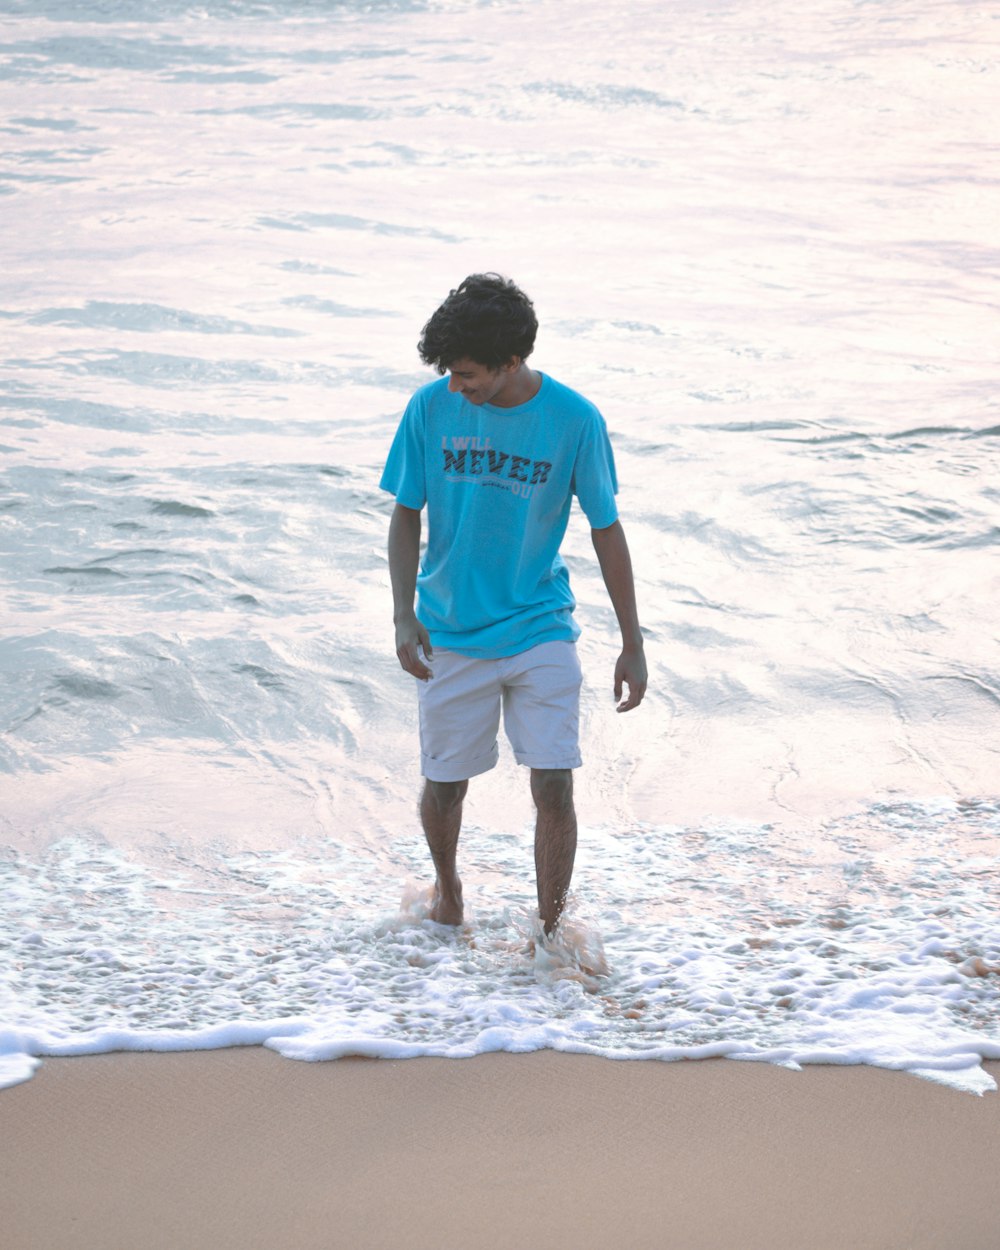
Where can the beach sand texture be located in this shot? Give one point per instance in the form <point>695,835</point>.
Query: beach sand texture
<point>239,1148</point>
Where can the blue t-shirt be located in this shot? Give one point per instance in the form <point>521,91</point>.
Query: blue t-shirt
<point>498,484</point>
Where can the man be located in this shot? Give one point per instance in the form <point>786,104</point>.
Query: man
<point>496,453</point>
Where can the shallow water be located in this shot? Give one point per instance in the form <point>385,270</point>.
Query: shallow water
<point>762,242</point>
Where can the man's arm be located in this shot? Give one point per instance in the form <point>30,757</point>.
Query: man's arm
<point>404,559</point>
<point>616,569</point>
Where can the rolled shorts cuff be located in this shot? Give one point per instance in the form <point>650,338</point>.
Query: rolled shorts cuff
<point>458,770</point>
<point>531,760</point>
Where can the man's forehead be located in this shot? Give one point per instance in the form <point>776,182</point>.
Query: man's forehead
<point>465,365</point>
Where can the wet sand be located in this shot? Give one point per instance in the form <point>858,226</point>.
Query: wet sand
<point>241,1148</point>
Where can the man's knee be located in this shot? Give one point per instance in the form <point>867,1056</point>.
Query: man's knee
<point>552,788</point>
<point>445,794</point>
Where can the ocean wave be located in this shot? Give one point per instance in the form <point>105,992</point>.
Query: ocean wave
<point>286,949</point>
<point>151,319</point>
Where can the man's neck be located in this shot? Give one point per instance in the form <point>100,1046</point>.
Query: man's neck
<point>524,384</point>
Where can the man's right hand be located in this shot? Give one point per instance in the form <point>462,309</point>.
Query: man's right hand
<point>411,639</point>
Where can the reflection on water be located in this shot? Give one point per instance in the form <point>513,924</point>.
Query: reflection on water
<point>762,243</point>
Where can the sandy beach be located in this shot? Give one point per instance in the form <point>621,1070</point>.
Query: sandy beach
<point>241,1148</point>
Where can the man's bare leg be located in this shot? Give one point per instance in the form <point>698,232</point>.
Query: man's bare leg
<point>441,817</point>
<point>555,840</point>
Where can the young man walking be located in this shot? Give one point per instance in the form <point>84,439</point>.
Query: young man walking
<point>496,453</point>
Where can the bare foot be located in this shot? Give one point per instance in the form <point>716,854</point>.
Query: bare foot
<point>573,952</point>
<point>446,905</point>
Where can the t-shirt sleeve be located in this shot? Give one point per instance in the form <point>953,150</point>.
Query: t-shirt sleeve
<point>404,474</point>
<point>595,482</point>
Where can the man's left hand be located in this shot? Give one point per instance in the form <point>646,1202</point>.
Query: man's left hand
<point>630,671</point>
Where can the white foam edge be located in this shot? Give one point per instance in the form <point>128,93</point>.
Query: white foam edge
<point>16,1068</point>
<point>971,1080</point>
<point>20,1052</point>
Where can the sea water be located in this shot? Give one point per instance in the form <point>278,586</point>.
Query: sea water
<point>763,241</point>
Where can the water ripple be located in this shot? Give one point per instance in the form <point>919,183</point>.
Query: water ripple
<point>151,319</point>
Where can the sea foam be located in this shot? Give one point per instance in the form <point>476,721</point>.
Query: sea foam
<point>285,949</point>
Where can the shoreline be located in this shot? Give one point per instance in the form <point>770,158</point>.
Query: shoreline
<point>241,1147</point>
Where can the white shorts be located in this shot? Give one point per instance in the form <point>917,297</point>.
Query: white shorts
<point>539,692</point>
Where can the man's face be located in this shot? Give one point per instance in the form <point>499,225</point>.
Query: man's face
<point>477,383</point>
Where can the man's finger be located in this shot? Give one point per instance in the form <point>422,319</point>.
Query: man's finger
<point>411,663</point>
<point>425,672</point>
<point>636,692</point>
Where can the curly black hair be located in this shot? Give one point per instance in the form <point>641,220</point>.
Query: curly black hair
<point>486,319</point>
